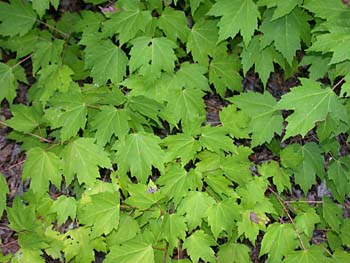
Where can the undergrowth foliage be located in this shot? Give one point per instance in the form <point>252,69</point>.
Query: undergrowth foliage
<point>121,158</point>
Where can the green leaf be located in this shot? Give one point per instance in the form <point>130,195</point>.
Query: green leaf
<point>128,228</point>
<point>108,122</point>
<point>42,167</point>
<point>21,218</point>
<point>176,182</point>
<point>4,190</point>
<point>102,213</point>
<point>305,161</point>
<point>236,15</point>
<point>332,214</point>
<point>82,157</point>
<point>191,76</point>
<point>25,118</point>
<point>338,172</point>
<point>47,52</point>
<point>215,139</point>
<point>181,146</point>
<point>224,73</point>
<point>40,6</point>
<point>234,121</point>
<point>234,253</point>
<point>332,43</point>
<point>278,241</point>
<point>286,32</point>
<point>173,228</point>
<point>305,222</point>
<point>174,24</point>
<point>69,113</point>
<point>221,215</point>
<point>131,252</point>
<point>64,207</point>
<point>127,23</point>
<point>202,40</point>
<point>185,105</point>
<point>137,153</point>
<point>262,58</point>
<point>52,78</point>
<point>344,232</point>
<point>282,7</point>
<point>107,62</point>
<point>198,245</point>
<point>152,55</point>
<point>311,104</point>
<point>9,84</point>
<point>280,177</point>
<point>16,17</point>
<point>314,254</point>
<point>194,205</point>
<point>80,245</point>
<point>141,198</point>
<point>266,119</point>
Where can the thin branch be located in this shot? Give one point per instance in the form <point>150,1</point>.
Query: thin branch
<point>341,81</point>
<point>14,165</point>
<point>289,216</point>
<point>42,139</point>
<point>21,61</point>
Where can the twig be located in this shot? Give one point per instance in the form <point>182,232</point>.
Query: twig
<point>290,217</point>
<point>14,165</point>
<point>166,252</point>
<point>21,61</point>
<point>338,83</point>
<point>303,201</point>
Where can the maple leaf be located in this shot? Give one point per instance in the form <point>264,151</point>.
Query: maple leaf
<point>314,254</point>
<point>52,78</point>
<point>82,157</point>
<point>338,172</point>
<point>64,207</point>
<point>311,104</point>
<point>305,222</point>
<point>335,43</point>
<point>202,40</point>
<point>278,241</point>
<point>80,245</point>
<point>185,104</point>
<point>42,167</point>
<point>4,190</point>
<point>25,118</point>
<point>176,182</point>
<point>16,17</point>
<point>327,10</point>
<point>305,161</point>
<point>282,7</point>
<point>109,121</point>
<point>173,228</point>
<point>198,245</point>
<point>235,122</point>
<point>137,152</point>
<point>261,57</point>
<point>181,146</point>
<point>130,252</point>
<point>280,177</point>
<point>194,205</point>
<point>332,214</point>
<point>127,23</point>
<point>224,72</point>
<point>286,32</point>
<point>107,62</point>
<point>236,15</point>
<point>102,213</point>
<point>9,84</point>
<point>221,215</point>
<point>195,4</point>
<point>174,24</point>
<point>47,52</point>
<point>152,55</point>
<point>40,6</point>
<point>70,113</point>
<point>266,119</point>
<point>191,76</point>
<point>235,253</point>
<point>141,198</point>
<point>128,228</point>
<point>215,139</point>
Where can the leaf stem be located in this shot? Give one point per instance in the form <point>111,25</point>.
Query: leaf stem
<point>166,252</point>
<point>21,61</point>
<point>280,200</point>
<point>64,34</point>
<point>338,83</point>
